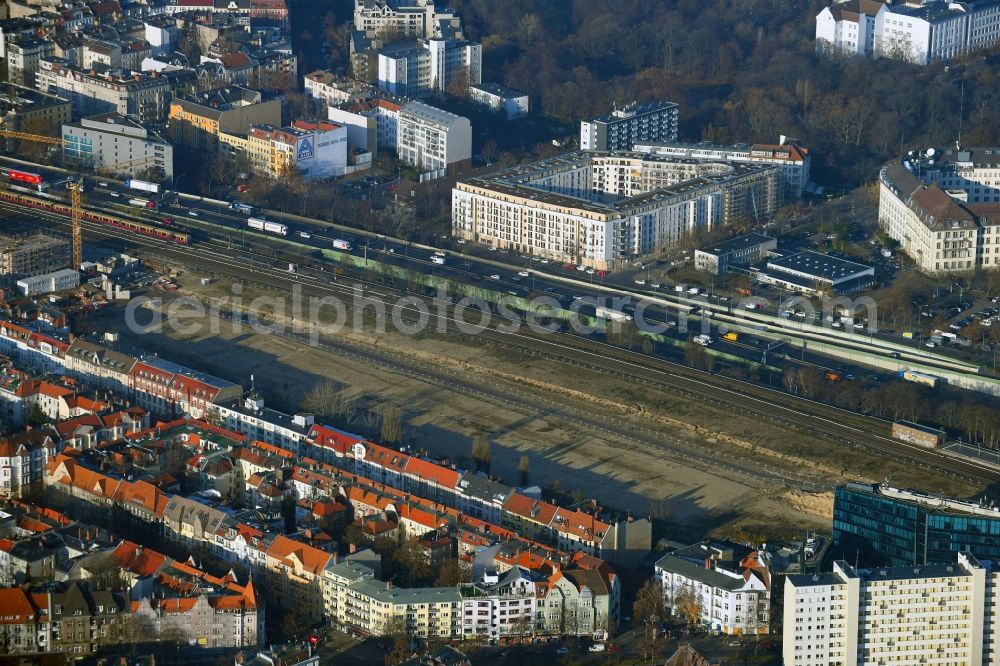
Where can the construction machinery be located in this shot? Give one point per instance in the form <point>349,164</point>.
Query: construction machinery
<point>75,191</point>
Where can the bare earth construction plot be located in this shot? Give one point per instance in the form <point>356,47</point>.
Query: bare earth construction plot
<point>638,448</point>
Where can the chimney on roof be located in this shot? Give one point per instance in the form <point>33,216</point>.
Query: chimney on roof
<point>351,549</point>
<point>709,563</point>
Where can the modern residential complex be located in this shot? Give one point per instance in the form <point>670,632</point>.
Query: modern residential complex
<point>731,584</point>
<point>621,129</point>
<point>416,69</point>
<point>793,158</point>
<point>931,614</point>
<point>944,208</point>
<point>115,144</point>
<point>878,524</point>
<point>433,140</point>
<point>607,209</point>
<point>921,32</point>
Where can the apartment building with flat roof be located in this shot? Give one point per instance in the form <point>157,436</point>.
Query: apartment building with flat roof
<point>931,614</point>
<point>623,128</point>
<point>605,210</point>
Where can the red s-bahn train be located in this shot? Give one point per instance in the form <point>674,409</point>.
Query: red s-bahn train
<point>64,209</point>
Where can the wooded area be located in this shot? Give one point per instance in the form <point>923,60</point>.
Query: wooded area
<point>742,71</point>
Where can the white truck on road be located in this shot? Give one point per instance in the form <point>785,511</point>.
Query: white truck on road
<point>611,314</point>
<point>261,224</point>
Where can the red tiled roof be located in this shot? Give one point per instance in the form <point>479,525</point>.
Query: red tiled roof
<point>15,606</point>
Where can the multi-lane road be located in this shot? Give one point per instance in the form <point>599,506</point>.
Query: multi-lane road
<point>510,273</point>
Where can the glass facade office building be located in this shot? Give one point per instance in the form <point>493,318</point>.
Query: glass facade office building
<point>875,525</point>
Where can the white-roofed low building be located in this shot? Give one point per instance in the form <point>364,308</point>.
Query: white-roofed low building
<point>511,103</point>
<point>67,278</point>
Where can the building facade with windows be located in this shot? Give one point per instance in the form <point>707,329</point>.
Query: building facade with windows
<point>512,103</point>
<point>732,585</point>
<point>417,69</point>
<point>934,614</point>
<point>740,251</point>
<point>433,140</point>
<point>921,31</point>
<point>405,18</point>
<point>623,128</point>
<point>146,96</point>
<point>605,210</point>
<point>878,524</point>
<point>115,144</point>
<point>943,207</point>
<point>793,158</point>
<point>197,121</point>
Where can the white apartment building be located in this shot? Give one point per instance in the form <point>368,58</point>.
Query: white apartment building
<point>921,31</point>
<point>622,128</point>
<point>146,96</point>
<point>115,144</point>
<point>512,103</point>
<point>433,140</point>
<point>794,159</point>
<point>416,69</point>
<point>605,210</point>
<point>933,614</point>
<point>500,606</point>
<point>847,27</point>
<point>405,18</point>
<point>249,416</point>
<point>733,589</point>
<point>944,208</point>
<point>22,461</point>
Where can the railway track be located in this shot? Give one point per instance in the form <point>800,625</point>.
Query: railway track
<point>755,401</point>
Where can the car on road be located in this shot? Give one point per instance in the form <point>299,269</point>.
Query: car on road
<point>655,285</point>
<point>581,268</point>
<point>461,241</point>
<point>751,306</point>
<point>103,184</point>
<point>305,234</point>
<point>543,261</point>
<point>114,194</point>
<point>562,650</point>
<point>596,647</point>
<point>495,276</point>
<point>193,213</point>
<point>524,273</point>
<point>641,283</point>
<point>931,344</point>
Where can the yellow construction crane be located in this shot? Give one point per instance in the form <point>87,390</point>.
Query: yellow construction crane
<point>75,192</point>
